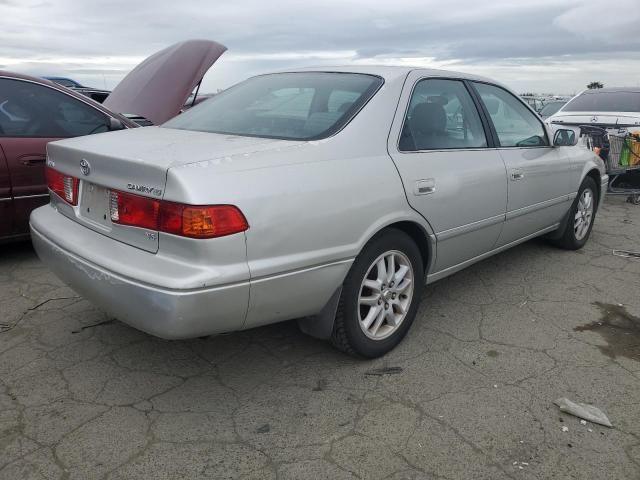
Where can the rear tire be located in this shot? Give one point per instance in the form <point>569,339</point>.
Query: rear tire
<point>581,217</point>
<point>380,296</point>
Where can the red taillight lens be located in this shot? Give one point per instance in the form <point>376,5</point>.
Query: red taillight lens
<point>134,210</point>
<point>193,221</point>
<point>63,185</point>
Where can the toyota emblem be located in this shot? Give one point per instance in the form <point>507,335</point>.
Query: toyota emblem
<point>594,119</point>
<point>85,168</point>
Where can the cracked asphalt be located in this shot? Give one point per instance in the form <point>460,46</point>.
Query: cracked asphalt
<point>468,395</point>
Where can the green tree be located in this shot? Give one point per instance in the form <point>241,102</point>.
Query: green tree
<point>593,85</point>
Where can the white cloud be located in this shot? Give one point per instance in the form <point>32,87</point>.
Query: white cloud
<point>557,45</point>
<point>612,23</point>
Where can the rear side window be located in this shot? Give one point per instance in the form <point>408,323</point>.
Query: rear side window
<point>441,115</point>
<point>31,110</point>
<point>594,101</point>
<point>289,106</point>
<point>515,124</point>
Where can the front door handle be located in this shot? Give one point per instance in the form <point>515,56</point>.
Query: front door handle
<point>425,187</point>
<point>517,175</point>
<point>31,160</point>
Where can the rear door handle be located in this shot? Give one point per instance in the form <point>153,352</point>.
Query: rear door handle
<point>517,175</point>
<point>31,160</point>
<point>425,187</point>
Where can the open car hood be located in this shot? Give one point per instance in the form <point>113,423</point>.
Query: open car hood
<point>158,87</point>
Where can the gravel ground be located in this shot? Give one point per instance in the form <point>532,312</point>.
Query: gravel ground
<point>468,394</point>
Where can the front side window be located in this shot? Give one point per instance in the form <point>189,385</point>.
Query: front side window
<point>31,110</point>
<point>289,106</point>
<point>515,124</point>
<point>441,115</point>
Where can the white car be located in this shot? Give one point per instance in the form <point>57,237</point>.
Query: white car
<point>601,107</point>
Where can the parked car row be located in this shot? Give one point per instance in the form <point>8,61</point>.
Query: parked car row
<point>35,111</point>
<point>327,195</point>
<point>93,93</point>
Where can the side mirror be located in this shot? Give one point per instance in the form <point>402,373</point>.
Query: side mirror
<point>564,138</point>
<point>115,124</point>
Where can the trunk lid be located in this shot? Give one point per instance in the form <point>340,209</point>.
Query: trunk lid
<point>136,161</point>
<point>598,119</point>
<point>157,88</point>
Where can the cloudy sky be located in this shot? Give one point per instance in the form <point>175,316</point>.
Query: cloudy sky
<point>538,45</point>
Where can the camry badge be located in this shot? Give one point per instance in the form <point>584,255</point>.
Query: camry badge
<point>144,189</point>
<point>85,168</point>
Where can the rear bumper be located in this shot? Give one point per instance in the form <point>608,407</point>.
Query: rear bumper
<point>604,186</point>
<point>170,313</point>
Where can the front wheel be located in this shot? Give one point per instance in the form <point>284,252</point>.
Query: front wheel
<point>380,296</point>
<point>581,217</point>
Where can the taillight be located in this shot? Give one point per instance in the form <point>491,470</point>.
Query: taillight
<point>193,221</point>
<point>63,185</point>
<point>201,221</point>
<point>134,210</point>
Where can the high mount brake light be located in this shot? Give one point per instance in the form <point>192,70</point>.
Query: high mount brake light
<point>193,221</point>
<point>64,186</point>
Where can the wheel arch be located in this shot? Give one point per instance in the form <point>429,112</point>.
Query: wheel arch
<point>419,235</point>
<point>321,325</point>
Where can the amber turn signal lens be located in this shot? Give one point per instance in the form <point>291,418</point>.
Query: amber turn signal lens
<point>201,221</point>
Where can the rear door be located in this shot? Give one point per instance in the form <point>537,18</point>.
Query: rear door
<point>31,116</point>
<point>539,175</point>
<point>6,202</point>
<point>440,145</point>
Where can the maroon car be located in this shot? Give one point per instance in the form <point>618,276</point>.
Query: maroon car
<point>34,112</point>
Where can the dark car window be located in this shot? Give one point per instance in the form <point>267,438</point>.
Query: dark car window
<point>66,83</point>
<point>595,101</point>
<point>441,115</point>
<point>515,124</point>
<point>551,108</point>
<point>31,110</point>
<point>290,106</point>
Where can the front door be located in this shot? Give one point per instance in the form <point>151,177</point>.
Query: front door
<point>6,202</point>
<point>32,115</point>
<point>539,175</point>
<point>440,147</point>
<point>26,159</point>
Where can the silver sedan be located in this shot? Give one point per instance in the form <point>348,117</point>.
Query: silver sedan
<point>328,196</point>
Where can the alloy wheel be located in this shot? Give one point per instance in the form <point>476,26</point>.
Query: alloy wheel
<point>385,295</point>
<point>584,214</point>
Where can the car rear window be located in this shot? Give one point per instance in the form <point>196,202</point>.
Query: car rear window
<point>594,101</point>
<point>289,106</point>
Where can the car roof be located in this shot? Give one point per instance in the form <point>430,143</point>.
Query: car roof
<point>612,90</point>
<point>48,81</point>
<point>22,76</point>
<point>391,72</point>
